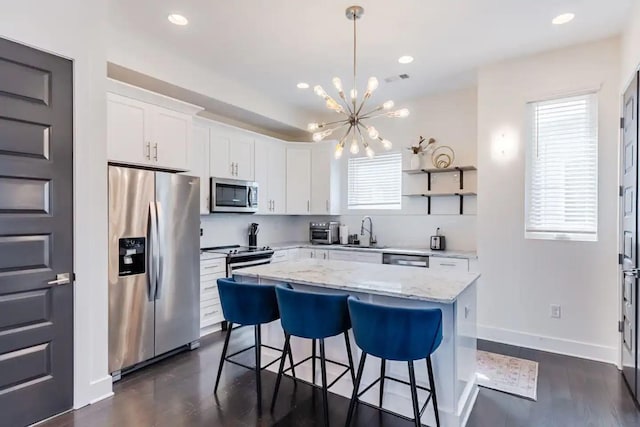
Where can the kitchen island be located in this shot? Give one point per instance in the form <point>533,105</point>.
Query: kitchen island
<point>453,292</point>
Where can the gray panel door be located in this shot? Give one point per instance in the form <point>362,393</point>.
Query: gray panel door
<point>178,294</point>
<point>131,291</point>
<point>629,234</point>
<point>36,240</point>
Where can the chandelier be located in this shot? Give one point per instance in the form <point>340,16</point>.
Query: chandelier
<point>355,119</point>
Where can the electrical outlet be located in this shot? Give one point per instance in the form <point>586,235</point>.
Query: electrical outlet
<point>556,311</point>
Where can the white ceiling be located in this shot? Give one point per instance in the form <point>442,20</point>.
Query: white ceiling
<point>270,45</point>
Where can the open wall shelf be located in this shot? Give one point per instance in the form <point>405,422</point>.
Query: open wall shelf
<point>429,194</point>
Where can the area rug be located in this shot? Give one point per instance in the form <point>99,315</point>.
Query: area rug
<point>508,374</point>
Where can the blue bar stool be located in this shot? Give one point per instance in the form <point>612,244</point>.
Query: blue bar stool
<point>314,316</point>
<point>248,305</point>
<point>400,334</point>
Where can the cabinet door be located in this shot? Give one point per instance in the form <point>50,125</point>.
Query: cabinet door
<point>321,179</point>
<point>220,154</point>
<point>171,137</point>
<point>298,180</point>
<point>242,157</point>
<point>199,164</point>
<point>261,171</point>
<point>128,139</point>
<point>277,177</point>
<point>321,254</point>
<point>342,256</point>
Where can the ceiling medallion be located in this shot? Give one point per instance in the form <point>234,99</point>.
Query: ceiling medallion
<point>355,118</point>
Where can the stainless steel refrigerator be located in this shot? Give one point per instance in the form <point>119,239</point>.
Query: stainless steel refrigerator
<point>154,282</point>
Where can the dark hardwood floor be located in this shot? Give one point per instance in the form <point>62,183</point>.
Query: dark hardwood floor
<point>179,392</point>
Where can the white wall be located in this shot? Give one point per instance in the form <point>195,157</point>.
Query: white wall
<point>142,53</point>
<point>631,44</point>
<point>521,278</point>
<point>231,229</point>
<point>450,118</point>
<point>74,29</point>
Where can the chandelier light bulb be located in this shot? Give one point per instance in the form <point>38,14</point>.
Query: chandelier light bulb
<point>404,112</point>
<point>372,84</point>
<point>312,127</point>
<point>319,91</point>
<point>333,105</point>
<point>319,136</point>
<point>369,152</point>
<point>354,148</point>
<point>388,105</point>
<point>373,132</point>
<point>354,94</point>
<point>386,144</point>
<point>338,153</point>
<point>338,84</point>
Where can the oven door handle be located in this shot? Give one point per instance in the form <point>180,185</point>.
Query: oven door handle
<point>253,263</point>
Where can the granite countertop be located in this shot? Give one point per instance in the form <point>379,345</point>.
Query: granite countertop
<point>409,250</point>
<point>380,279</point>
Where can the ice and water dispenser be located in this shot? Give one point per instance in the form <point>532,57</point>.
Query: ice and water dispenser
<point>132,256</point>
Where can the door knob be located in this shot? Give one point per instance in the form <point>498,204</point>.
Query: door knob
<point>61,279</point>
<point>635,272</point>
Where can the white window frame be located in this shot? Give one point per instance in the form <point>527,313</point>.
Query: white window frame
<point>533,232</point>
<point>373,206</point>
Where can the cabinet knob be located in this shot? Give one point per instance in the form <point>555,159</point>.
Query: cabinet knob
<point>308,205</point>
<point>155,152</point>
<point>148,151</point>
<point>232,168</point>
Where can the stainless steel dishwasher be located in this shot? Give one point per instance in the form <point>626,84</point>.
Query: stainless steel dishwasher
<point>406,260</point>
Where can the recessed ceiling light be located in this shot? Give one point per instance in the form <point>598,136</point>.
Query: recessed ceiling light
<point>563,18</point>
<point>177,19</point>
<point>303,85</point>
<point>406,59</point>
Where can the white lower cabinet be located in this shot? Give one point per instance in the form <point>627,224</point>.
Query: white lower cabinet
<point>453,264</point>
<point>313,253</point>
<point>211,269</point>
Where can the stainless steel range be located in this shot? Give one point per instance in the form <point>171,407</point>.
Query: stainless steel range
<point>242,256</point>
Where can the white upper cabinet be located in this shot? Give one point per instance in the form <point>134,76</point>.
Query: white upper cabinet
<point>325,180</point>
<point>148,129</point>
<point>298,179</point>
<point>199,163</point>
<point>270,174</point>
<point>128,130</point>
<point>231,154</point>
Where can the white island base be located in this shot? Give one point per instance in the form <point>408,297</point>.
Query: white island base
<point>454,362</point>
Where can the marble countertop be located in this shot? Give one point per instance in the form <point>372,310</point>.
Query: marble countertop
<point>391,249</point>
<point>380,279</point>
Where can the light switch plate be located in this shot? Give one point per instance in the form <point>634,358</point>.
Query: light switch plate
<point>556,311</point>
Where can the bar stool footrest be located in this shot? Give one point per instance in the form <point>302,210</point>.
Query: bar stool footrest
<point>348,369</point>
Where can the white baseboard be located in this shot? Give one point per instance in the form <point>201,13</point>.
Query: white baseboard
<point>579,349</point>
<point>101,389</point>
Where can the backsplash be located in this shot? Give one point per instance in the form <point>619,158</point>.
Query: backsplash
<point>232,229</point>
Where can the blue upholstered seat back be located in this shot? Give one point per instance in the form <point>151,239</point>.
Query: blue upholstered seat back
<point>247,304</point>
<point>395,333</point>
<point>312,315</point>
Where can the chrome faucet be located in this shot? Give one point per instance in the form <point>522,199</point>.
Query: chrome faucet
<point>372,238</point>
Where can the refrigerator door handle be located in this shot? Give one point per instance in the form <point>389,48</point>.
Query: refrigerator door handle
<point>151,262</point>
<point>159,256</point>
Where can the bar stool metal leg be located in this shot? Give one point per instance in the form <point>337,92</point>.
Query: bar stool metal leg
<point>325,394</point>
<point>414,394</point>
<point>313,361</point>
<point>383,366</point>
<point>258,376</point>
<point>224,355</point>
<point>350,356</point>
<point>356,386</point>
<point>287,348</point>
<point>432,387</point>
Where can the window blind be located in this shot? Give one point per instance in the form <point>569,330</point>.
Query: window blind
<point>562,169</point>
<point>375,183</point>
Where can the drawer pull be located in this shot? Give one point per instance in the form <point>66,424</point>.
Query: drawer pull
<point>210,313</point>
<point>209,288</point>
<point>446,264</point>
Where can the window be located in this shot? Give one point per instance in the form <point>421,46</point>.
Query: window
<point>375,183</point>
<point>562,169</point>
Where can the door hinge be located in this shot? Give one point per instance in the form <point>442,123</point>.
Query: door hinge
<point>621,122</point>
<point>620,259</point>
<point>621,326</point>
<point>620,191</point>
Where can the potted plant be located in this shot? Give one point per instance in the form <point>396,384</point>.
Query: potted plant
<point>423,146</point>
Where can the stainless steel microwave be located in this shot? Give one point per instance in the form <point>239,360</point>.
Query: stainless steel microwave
<point>232,195</point>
